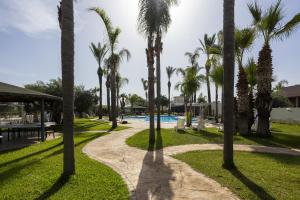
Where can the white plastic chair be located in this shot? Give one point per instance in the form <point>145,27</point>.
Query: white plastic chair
<point>180,124</point>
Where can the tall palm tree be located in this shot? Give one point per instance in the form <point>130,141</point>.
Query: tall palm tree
<point>217,77</point>
<point>145,87</point>
<point>66,22</point>
<point>99,53</point>
<point>193,59</point>
<point>228,62</point>
<point>149,21</point>
<point>106,73</point>
<point>243,41</point>
<point>270,25</point>
<point>113,35</point>
<point>170,71</point>
<point>206,45</point>
<point>250,69</point>
<point>162,22</point>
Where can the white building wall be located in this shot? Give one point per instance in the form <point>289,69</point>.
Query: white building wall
<point>286,115</point>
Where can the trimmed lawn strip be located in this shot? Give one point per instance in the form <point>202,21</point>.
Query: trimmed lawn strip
<point>283,135</point>
<point>258,175</point>
<point>34,173</point>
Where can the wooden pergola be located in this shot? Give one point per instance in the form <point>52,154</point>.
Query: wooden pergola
<point>12,93</point>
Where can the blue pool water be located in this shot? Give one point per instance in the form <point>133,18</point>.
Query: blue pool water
<point>163,118</point>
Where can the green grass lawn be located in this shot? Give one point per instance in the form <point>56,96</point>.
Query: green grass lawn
<point>258,175</point>
<point>284,135</point>
<point>34,173</point>
<point>93,125</point>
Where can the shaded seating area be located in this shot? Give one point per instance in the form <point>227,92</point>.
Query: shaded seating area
<point>24,129</point>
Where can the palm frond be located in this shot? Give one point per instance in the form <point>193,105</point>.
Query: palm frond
<point>256,12</point>
<point>289,27</point>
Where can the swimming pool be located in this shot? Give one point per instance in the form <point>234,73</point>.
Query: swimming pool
<point>163,118</point>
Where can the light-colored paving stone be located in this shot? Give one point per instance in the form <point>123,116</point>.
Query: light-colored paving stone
<point>155,174</point>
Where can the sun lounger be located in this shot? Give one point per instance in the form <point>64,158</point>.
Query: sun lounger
<point>180,124</point>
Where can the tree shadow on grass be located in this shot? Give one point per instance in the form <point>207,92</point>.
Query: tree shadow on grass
<point>30,155</point>
<point>276,140</point>
<point>15,167</point>
<point>155,176</point>
<point>60,182</point>
<point>256,189</point>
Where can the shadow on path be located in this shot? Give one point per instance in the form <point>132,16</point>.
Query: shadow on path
<point>155,176</point>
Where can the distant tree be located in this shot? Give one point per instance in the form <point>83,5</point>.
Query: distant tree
<point>85,100</point>
<point>164,101</point>
<point>170,71</point>
<point>217,77</point>
<point>99,53</point>
<point>207,44</point>
<point>53,87</point>
<point>136,100</point>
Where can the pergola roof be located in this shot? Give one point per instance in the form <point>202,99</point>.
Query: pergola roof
<point>12,93</point>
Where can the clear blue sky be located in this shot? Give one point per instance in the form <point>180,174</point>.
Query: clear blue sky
<point>30,39</point>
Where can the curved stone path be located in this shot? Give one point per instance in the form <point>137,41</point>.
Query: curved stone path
<point>155,174</point>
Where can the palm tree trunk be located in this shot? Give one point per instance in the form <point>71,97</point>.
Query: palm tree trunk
<point>217,106</point>
<point>222,118</point>
<point>264,86</point>
<point>158,47</point>
<point>169,97</point>
<point>67,55</point>
<point>251,107</point>
<point>100,97</point>
<point>113,96</point>
<point>118,109</point>
<point>150,62</point>
<point>208,92</point>
<point>228,29</point>
<point>108,97</point>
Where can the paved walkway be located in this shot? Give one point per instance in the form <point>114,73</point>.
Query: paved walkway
<point>155,174</point>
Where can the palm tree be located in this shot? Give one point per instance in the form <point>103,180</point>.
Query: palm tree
<point>113,35</point>
<point>121,82</point>
<point>190,84</point>
<point>206,46</point>
<point>270,25</point>
<point>99,54</point>
<point>106,73</point>
<point>66,23</point>
<point>123,97</point>
<point>170,71</point>
<point>243,41</point>
<point>193,58</point>
<point>228,62</point>
<point>162,20</point>
<point>217,77</point>
<point>145,87</point>
<point>250,69</point>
